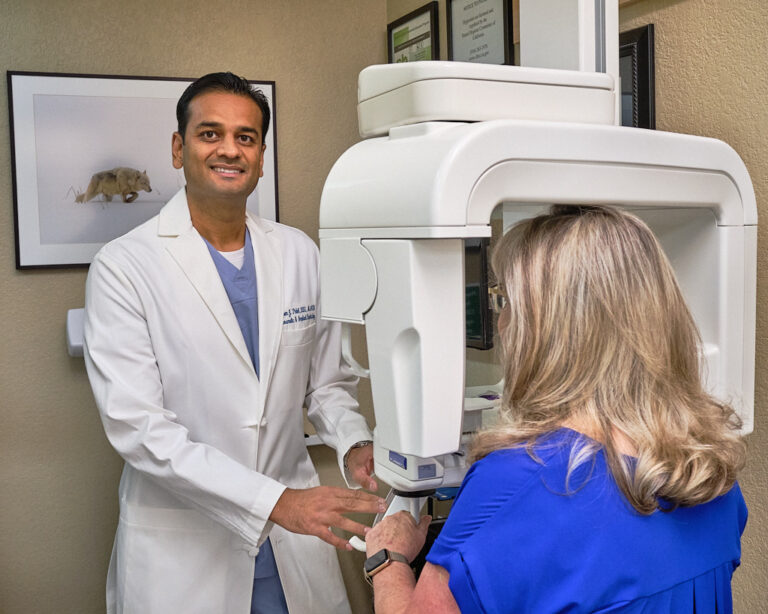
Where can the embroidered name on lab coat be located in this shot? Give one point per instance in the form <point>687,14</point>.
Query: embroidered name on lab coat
<point>299,314</point>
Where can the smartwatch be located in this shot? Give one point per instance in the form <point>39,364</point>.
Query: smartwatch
<point>381,560</point>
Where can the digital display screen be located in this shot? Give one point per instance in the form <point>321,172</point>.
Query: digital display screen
<point>479,326</point>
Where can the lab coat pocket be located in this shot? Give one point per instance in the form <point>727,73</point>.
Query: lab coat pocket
<point>291,337</point>
<point>173,560</point>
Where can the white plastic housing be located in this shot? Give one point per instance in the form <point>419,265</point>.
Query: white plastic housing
<point>394,95</point>
<point>429,182</point>
<point>444,179</point>
<point>75,324</point>
<point>395,208</point>
<point>415,335</point>
<point>578,35</point>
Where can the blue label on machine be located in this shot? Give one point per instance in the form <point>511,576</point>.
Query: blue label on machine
<point>398,459</point>
<point>427,471</point>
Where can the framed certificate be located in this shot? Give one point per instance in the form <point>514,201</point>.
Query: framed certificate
<point>415,36</point>
<point>480,31</point>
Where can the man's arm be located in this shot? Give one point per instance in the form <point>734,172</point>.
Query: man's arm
<point>127,386</point>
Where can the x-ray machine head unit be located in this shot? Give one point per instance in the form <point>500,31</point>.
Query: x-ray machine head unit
<point>446,144</point>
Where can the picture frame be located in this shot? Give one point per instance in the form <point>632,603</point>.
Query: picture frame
<point>481,31</point>
<point>636,70</point>
<point>415,36</point>
<point>65,128</point>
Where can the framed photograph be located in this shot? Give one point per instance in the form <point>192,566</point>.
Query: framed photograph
<point>480,31</point>
<point>91,159</point>
<point>636,69</point>
<point>414,37</point>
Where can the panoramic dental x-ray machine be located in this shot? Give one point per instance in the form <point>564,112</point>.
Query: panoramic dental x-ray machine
<point>448,142</point>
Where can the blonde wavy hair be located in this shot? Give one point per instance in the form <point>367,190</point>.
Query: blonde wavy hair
<point>598,332</point>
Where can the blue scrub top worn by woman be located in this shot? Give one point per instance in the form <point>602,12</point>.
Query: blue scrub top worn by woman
<point>518,540</point>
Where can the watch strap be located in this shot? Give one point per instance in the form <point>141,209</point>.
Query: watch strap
<point>389,558</point>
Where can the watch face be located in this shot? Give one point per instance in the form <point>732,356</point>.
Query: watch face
<point>372,562</point>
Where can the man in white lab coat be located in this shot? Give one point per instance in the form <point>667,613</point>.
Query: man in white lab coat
<point>200,373</point>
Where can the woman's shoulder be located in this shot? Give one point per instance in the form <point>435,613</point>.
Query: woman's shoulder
<point>513,472</point>
<point>521,460</point>
<point>494,485</point>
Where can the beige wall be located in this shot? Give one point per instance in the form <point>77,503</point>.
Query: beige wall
<point>57,473</point>
<point>58,476</point>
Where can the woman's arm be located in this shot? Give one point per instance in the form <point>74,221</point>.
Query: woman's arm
<point>394,591</point>
<point>395,588</point>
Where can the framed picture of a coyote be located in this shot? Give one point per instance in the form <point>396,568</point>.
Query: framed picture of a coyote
<point>91,159</point>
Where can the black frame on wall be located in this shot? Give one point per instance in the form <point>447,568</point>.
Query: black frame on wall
<point>636,68</point>
<point>430,9</point>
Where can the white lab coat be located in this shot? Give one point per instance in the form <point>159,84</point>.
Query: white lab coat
<point>209,447</point>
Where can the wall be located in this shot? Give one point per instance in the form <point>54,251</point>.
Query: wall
<point>711,80</point>
<point>58,476</point>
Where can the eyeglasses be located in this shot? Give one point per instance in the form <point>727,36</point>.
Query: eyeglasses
<point>497,300</point>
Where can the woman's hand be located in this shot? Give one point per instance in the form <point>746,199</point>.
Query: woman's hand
<point>398,533</point>
<point>395,590</point>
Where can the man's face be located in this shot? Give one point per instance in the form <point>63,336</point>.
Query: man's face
<point>222,150</point>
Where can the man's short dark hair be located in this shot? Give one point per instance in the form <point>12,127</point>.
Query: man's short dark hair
<point>221,82</point>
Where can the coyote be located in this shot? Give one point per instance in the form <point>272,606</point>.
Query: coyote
<point>121,180</point>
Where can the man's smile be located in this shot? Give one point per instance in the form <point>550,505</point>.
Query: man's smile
<point>224,169</point>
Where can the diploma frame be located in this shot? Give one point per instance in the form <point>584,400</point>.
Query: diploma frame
<point>507,28</point>
<point>65,128</point>
<point>636,69</point>
<point>407,49</point>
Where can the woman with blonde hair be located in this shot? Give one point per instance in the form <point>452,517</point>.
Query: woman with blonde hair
<point>609,482</point>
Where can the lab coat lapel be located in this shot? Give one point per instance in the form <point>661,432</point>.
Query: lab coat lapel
<point>188,249</point>
<point>269,281</point>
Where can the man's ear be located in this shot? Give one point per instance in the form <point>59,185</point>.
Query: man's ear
<point>261,163</point>
<point>177,150</point>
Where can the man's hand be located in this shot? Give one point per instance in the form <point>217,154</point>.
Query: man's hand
<point>359,461</point>
<point>314,511</point>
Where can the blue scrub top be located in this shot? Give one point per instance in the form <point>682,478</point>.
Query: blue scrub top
<point>240,285</point>
<point>518,540</point>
